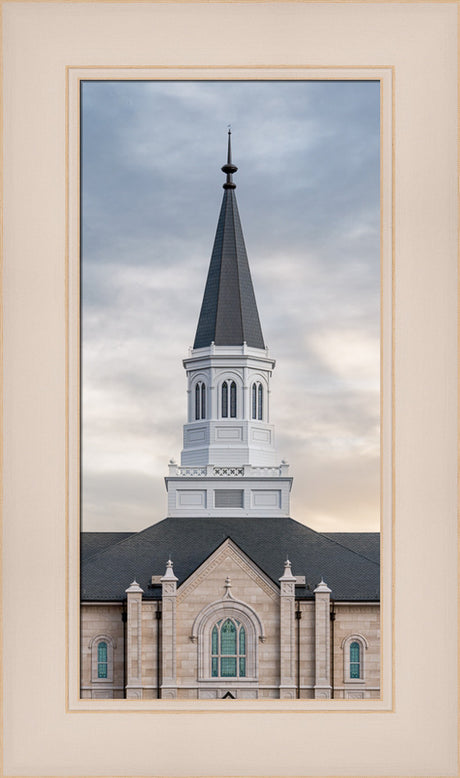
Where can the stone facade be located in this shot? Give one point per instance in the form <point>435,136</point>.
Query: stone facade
<point>102,623</point>
<point>294,648</point>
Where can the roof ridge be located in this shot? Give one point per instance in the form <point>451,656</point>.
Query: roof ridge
<point>114,545</point>
<point>237,266</point>
<point>111,545</point>
<point>352,551</point>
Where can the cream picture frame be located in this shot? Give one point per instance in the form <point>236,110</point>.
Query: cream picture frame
<point>47,47</point>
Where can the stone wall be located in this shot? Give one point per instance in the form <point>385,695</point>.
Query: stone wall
<point>102,621</point>
<point>207,586</point>
<point>363,622</point>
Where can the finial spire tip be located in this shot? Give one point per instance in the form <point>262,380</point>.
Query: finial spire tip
<point>229,168</point>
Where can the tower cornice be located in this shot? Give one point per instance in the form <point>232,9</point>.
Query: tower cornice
<point>231,356</point>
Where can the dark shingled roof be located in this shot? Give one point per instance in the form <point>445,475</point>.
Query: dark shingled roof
<point>189,541</point>
<point>365,543</point>
<point>229,315</point>
<point>93,542</point>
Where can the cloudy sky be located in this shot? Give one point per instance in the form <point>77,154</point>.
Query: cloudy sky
<point>308,196</point>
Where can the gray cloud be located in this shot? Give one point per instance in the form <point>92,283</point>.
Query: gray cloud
<point>308,193</point>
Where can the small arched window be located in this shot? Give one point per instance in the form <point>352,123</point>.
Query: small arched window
<point>257,401</point>
<point>200,400</point>
<point>228,399</point>
<point>225,399</point>
<point>355,660</point>
<point>233,400</point>
<point>102,649</point>
<point>228,649</point>
<point>102,658</point>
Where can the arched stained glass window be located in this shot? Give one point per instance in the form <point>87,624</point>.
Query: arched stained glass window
<point>259,402</point>
<point>102,659</point>
<point>228,649</point>
<point>203,401</point>
<point>355,662</point>
<point>254,401</point>
<point>242,657</point>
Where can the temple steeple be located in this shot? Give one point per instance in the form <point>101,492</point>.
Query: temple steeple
<point>229,315</point>
<point>229,465</point>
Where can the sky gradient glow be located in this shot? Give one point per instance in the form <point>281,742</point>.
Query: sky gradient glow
<point>308,197</point>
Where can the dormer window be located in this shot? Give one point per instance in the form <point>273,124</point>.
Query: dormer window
<point>200,401</point>
<point>257,401</point>
<point>228,399</point>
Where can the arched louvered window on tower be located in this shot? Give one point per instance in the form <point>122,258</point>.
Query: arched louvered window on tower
<point>228,649</point>
<point>233,400</point>
<point>260,399</point>
<point>200,401</point>
<point>224,400</point>
<point>228,400</point>
<point>257,401</point>
<point>203,401</point>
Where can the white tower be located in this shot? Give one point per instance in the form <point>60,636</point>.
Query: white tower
<point>228,463</point>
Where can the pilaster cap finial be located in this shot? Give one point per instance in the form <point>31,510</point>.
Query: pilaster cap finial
<point>322,588</point>
<point>229,168</point>
<point>134,587</point>
<point>169,572</point>
<point>287,575</point>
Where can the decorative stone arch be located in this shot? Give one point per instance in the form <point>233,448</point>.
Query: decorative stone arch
<point>208,618</point>
<point>363,644</point>
<point>94,646</point>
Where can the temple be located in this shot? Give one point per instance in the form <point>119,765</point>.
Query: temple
<point>205,604</point>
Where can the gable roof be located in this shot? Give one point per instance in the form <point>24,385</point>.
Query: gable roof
<point>267,542</point>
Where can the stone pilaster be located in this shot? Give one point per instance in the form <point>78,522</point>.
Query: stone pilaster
<point>322,642</point>
<point>168,633</point>
<point>134,642</point>
<point>287,634</point>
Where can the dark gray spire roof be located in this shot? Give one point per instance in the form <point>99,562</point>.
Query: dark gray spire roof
<point>229,314</point>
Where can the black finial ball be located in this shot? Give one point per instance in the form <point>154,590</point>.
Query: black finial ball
<point>229,169</point>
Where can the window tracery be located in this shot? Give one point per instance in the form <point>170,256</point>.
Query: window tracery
<point>228,649</point>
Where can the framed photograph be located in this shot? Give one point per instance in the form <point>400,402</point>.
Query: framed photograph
<point>92,86</point>
<point>230,501</point>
